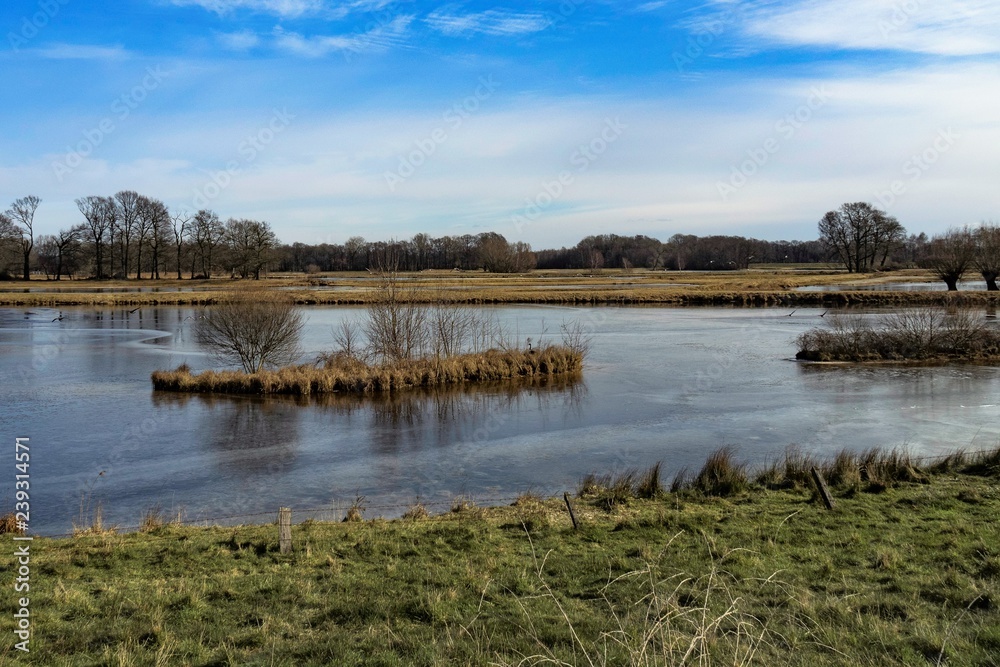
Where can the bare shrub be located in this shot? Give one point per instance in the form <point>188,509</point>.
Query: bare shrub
<point>909,334</point>
<point>251,331</point>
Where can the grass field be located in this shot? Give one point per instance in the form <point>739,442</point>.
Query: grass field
<point>904,571</point>
<point>758,286</point>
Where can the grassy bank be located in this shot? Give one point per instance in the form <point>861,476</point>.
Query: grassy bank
<point>905,571</point>
<point>349,375</point>
<point>756,287</point>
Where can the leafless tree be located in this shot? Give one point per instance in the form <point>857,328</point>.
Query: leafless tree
<point>251,243</point>
<point>179,227</point>
<point>951,255</point>
<point>22,214</point>
<point>9,244</point>
<point>395,326</point>
<point>987,260</point>
<point>207,232</point>
<point>158,233</point>
<point>99,212</point>
<point>67,244</point>
<point>860,235</point>
<point>253,332</point>
<point>128,204</point>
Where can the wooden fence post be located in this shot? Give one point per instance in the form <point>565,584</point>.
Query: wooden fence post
<point>823,491</point>
<point>570,508</point>
<point>285,529</point>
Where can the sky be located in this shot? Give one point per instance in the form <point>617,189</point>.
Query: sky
<point>544,121</point>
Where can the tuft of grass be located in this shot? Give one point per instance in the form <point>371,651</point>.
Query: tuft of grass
<point>152,519</point>
<point>8,524</point>
<point>356,512</point>
<point>649,486</point>
<point>721,475</point>
<point>416,512</point>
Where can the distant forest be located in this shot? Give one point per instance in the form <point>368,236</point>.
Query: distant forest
<point>129,235</point>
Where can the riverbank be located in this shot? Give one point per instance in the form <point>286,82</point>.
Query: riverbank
<point>905,570</point>
<point>354,376</point>
<point>747,288</point>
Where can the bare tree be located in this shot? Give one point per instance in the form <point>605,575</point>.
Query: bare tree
<point>99,212</point>
<point>251,243</point>
<point>155,221</point>
<point>207,232</point>
<point>22,214</point>
<point>859,235</point>
<point>395,327</point>
<point>987,260</point>
<point>950,255</point>
<point>252,332</point>
<point>10,239</point>
<point>129,205</point>
<point>180,224</point>
<point>66,245</point>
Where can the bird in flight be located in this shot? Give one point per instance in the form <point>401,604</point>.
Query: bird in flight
<point>60,318</point>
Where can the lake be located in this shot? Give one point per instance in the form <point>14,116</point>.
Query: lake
<point>660,384</point>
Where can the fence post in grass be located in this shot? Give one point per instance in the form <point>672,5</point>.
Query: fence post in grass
<point>824,492</point>
<point>570,508</point>
<point>285,529</point>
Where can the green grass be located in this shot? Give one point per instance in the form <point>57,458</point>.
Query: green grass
<point>901,573</point>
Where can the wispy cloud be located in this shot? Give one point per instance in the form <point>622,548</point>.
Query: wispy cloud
<point>244,40</point>
<point>956,28</point>
<point>378,38</point>
<point>81,52</point>
<point>491,22</point>
<point>283,8</point>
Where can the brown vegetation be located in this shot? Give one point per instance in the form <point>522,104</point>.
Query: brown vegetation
<point>341,374</point>
<point>915,335</point>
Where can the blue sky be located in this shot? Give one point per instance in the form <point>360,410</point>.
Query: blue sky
<point>544,121</point>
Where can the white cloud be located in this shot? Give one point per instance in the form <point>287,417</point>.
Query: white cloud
<point>491,22</point>
<point>284,8</point>
<point>81,52</point>
<point>378,38</point>
<point>243,40</point>
<point>954,28</point>
<point>325,174</point>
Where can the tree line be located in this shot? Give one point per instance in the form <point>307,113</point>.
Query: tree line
<point>129,235</point>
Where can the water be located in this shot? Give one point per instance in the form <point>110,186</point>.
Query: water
<point>660,384</point>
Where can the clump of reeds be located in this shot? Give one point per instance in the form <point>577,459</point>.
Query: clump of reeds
<point>921,334</point>
<point>614,490</point>
<point>721,475</point>
<point>152,519</point>
<point>8,524</point>
<point>346,374</point>
<point>416,512</point>
<point>356,512</point>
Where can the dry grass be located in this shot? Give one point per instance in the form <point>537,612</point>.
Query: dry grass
<point>922,334</point>
<point>8,525</point>
<point>343,374</point>
<point>757,287</point>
